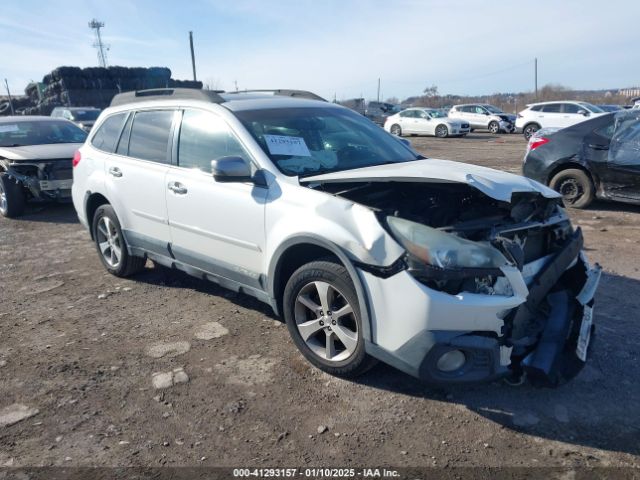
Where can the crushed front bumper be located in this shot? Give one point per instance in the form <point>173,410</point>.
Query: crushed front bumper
<point>413,326</point>
<point>507,127</point>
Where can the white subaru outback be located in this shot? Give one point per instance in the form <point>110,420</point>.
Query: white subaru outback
<point>448,271</point>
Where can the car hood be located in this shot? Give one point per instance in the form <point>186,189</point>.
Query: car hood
<point>493,183</point>
<point>40,152</point>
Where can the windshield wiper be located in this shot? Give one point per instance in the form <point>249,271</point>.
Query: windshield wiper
<point>12,145</point>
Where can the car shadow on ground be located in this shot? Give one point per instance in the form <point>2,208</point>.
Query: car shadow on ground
<point>600,408</point>
<point>50,213</point>
<point>613,206</point>
<point>159,275</point>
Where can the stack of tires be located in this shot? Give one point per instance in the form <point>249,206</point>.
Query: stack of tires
<point>92,87</point>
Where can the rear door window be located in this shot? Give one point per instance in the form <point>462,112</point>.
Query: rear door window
<point>108,134</point>
<point>551,108</point>
<point>150,132</point>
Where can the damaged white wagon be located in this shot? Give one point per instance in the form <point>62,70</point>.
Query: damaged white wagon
<point>450,272</point>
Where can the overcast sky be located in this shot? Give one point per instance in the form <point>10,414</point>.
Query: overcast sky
<point>336,47</point>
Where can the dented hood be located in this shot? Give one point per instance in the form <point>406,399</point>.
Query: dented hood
<point>493,183</point>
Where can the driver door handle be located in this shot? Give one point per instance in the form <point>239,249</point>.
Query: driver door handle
<point>115,172</point>
<point>177,188</point>
<point>596,146</point>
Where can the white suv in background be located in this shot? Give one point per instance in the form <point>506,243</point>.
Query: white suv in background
<point>484,116</point>
<point>450,272</point>
<point>559,114</point>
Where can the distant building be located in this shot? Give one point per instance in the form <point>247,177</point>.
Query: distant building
<point>630,92</point>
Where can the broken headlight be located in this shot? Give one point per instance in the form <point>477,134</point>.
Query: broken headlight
<point>443,250</point>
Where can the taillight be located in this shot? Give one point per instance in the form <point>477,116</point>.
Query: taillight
<point>76,158</point>
<point>535,142</point>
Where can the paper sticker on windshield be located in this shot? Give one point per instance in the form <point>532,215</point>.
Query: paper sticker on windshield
<point>286,145</point>
<point>9,128</point>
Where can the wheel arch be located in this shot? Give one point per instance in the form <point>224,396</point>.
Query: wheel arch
<point>572,164</point>
<point>297,251</point>
<point>93,200</point>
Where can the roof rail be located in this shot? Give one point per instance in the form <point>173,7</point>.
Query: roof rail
<point>287,93</point>
<point>169,93</point>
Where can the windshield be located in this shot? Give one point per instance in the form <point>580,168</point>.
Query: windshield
<point>310,141</point>
<point>592,108</point>
<point>39,132</point>
<point>85,115</point>
<point>493,109</point>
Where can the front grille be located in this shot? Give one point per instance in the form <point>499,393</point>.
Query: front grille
<point>465,125</point>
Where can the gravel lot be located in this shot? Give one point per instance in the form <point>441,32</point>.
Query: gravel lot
<point>79,348</point>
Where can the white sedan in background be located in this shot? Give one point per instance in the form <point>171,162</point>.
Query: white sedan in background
<point>425,121</point>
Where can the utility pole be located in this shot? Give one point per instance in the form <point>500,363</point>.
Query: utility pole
<point>535,72</point>
<point>235,82</point>
<point>378,89</point>
<point>6,84</point>
<point>193,57</point>
<point>98,44</point>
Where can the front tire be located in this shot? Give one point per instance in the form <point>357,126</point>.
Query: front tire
<point>396,130</point>
<point>494,127</point>
<point>575,186</point>
<point>12,199</point>
<point>442,131</point>
<point>111,244</point>
<point>322,313</point>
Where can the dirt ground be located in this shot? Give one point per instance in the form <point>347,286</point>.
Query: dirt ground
<point>80,347</point>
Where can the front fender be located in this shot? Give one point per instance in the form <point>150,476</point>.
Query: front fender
<point>312,239</point>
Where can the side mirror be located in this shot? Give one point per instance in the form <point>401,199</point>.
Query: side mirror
<point>583,112</point>
<point>231,169</point>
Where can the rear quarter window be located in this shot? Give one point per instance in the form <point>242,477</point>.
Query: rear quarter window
<point>106,138</point>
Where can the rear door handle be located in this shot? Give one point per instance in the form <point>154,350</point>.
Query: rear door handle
<point>115,171</point>
<point>177,188</point>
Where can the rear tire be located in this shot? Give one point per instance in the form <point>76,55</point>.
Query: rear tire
<point>320,302</point>
<point>529,130</point>
<point>494,127</point>
<point>111,244</point>
<point>12,198</point>
<point>576,187</point>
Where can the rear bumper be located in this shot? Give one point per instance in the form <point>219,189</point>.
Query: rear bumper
<point>413,325</point>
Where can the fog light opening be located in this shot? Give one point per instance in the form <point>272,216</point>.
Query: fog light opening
<point>451,361</point>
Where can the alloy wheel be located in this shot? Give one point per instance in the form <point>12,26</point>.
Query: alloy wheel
<point>109,242</point>
<point>326,321</point>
